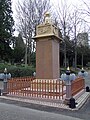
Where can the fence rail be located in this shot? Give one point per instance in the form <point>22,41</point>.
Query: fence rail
<point>19,83</point>
<point>51,89</point>
<point>41,88</point>
<point>77,85</point>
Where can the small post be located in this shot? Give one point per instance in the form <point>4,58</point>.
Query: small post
<point>68,86</point>
<point>34,74</point>
<point>0,92</point>
<point>87,89</point>
<point>5,82</point>
<point>72,103</point>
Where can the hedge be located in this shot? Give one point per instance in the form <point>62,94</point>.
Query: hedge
<point>17,71</point>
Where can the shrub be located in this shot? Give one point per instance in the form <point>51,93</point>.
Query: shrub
<point>17,71</point>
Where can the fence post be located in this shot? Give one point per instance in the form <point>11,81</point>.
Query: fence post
<point>5,78</point>
<point>68,77</point>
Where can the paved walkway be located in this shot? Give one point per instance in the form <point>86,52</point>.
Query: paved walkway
<point>80,100</point>
<point>14,112</point>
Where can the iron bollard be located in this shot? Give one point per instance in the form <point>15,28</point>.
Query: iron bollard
<point>0,92</point>
<point>72,103</point>
<point>87,89</point>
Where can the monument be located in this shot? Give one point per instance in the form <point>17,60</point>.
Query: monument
<point>47,50</point>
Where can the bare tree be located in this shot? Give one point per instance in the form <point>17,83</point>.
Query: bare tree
<point>63,18</point>
<point>85,11</point>
<point>70,21</point>
<point>30,13</point>
<point>77,23</point>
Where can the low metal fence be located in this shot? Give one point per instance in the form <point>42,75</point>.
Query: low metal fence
<point>43,88</point>
<point>51,89</point>
<point>77,85</point>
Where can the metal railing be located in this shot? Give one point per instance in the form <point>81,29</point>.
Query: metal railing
<point>77,85</point>
<point>51,89</point>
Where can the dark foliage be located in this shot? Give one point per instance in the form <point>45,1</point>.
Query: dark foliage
<point>6,29</point>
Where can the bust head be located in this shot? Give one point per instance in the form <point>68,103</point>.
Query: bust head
<point>47,18</point>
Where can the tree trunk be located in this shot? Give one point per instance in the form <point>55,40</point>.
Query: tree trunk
<point>82,60</point>
<point>75,58</point>
<point>26,55</point>
<point>65,59</point>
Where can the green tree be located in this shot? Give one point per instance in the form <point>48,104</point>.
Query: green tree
<point>5,51</point>
<point>6,27</point>
<point>83,55</point>
<point>19,50</point>
<point>6,20</point>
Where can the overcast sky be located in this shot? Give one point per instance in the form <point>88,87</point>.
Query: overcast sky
<point>78,3</point>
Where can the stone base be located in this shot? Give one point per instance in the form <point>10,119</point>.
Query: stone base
<point>4,93</point>
<point>67,101</point>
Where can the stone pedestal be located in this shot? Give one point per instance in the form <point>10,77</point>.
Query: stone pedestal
<point>47,58</point>
<point>68,94</point>
<point>47,51</point>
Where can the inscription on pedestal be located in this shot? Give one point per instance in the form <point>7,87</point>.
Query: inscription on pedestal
<point>43,30</point>
<point>47,29</point>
